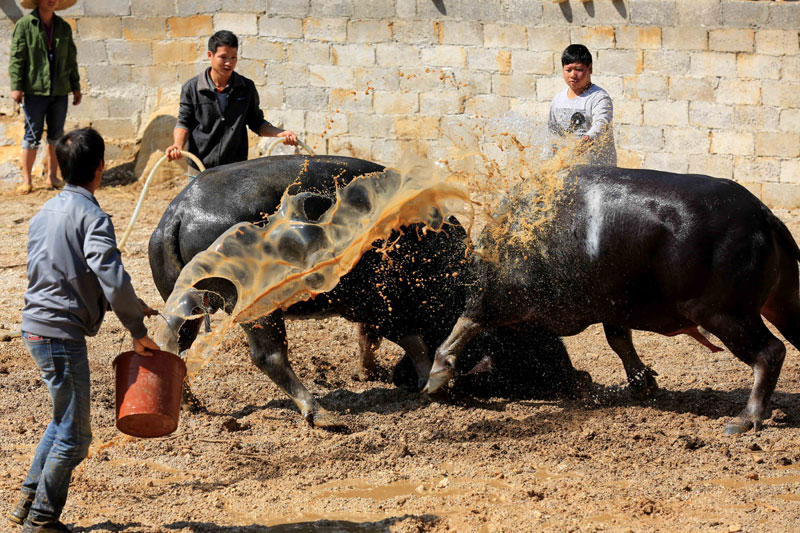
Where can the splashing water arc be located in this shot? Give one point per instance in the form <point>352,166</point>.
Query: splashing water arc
<point>503,176</point>
<point>291,258</point>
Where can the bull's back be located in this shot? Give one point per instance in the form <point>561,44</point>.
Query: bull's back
<point>627,246</point>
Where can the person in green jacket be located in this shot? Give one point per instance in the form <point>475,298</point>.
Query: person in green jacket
<point>43,70</point>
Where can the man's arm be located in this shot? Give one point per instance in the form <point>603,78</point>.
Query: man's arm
<point>72,66</point>
<point>602,114</point>
<point>552,123</point>
<point>258,124</point>
<point>144,346</point>
<point>17,63</point>
<point>103,258</point>
<point>186,122</point>
<point>180,136</point>
<point>268,130</point>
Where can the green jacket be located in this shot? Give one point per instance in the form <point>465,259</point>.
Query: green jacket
<point>28,67</point>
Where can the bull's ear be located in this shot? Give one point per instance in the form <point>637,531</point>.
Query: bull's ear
<point>315,206</point>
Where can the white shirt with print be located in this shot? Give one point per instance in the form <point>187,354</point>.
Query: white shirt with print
<point>589,114</point>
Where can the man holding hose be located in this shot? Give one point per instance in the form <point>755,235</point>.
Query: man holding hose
<point>216,109</point>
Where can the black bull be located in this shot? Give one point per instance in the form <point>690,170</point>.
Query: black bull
<point>411,297</point>
<point>647,250</point>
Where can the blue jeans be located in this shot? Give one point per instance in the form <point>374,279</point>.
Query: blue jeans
<point>37,109</point>
<point>65,370</point>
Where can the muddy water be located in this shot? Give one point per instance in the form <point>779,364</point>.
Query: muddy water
<point>511,160</point>
<point>440,496</point>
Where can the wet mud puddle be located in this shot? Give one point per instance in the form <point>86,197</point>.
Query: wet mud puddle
<point>440,496</point>
<point>791,481</point>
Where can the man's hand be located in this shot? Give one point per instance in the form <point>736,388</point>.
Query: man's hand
<point>289,137</point>
<point>144,346</point>
<point>146,309</point>
<point>173,152</point>
<point>76,97</point>
<point>16,96</point>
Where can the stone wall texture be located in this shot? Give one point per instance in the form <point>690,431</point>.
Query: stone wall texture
<point>708,86</point>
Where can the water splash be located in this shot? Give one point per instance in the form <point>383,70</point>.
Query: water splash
<point>291,257</point>
<point>514,169</point>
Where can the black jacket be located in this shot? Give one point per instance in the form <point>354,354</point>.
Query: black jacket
<point>219,138</point>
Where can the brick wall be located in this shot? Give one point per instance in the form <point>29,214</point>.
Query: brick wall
<point>709,86</point>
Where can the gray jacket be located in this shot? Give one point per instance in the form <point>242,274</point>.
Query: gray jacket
<point>75,271</point>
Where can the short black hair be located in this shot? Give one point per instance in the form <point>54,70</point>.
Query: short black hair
<point>576,53</point>
<point>222,38</point>
<point>79,153</point>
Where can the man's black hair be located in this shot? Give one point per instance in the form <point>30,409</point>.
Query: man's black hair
<point>79,153</point>
<point>222,38</point>
<point>576,53</point>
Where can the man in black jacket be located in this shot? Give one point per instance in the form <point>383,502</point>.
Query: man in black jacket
<point>216,108</point>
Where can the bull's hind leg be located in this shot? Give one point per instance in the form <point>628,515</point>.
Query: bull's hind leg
<point>641,378</point>
<point>751,341</point>
<point>787,320</point>
<point>268,351</point>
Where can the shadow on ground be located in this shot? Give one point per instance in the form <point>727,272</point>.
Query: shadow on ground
<point>705,402</point>
<point>119,175</point>
<point>320,526</point>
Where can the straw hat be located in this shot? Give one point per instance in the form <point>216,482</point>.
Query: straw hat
<point>62,4</point>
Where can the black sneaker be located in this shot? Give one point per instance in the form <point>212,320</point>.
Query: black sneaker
<point>45,527</point>
<point>20,512</point>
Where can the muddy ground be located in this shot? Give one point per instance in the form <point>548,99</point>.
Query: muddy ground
<point>605,462</point>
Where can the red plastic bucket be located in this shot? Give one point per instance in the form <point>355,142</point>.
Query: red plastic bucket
<point>148,393</point>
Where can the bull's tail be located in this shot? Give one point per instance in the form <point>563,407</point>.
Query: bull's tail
<point>784,236</point>
<point>782,307</point>
<point>166,262</point>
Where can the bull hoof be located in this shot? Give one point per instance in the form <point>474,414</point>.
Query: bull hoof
<point>740,425</point>
<point>404,376</point>
<point>369,374</point>
<point>325,420</point>
<point>438,378</point>
<point>362,374</point>
<point>440,396</point>
<point>643,384</point>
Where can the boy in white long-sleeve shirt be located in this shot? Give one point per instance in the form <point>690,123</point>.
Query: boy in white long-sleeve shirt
<point>583,110</point>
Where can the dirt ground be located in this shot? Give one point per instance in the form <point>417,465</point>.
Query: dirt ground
<point>605,462</point>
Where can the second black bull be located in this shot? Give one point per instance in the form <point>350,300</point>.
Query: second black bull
<point>647,250</point>
<point>412,296</point>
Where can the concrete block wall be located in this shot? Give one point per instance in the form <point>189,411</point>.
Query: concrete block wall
<point>709,86</point>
